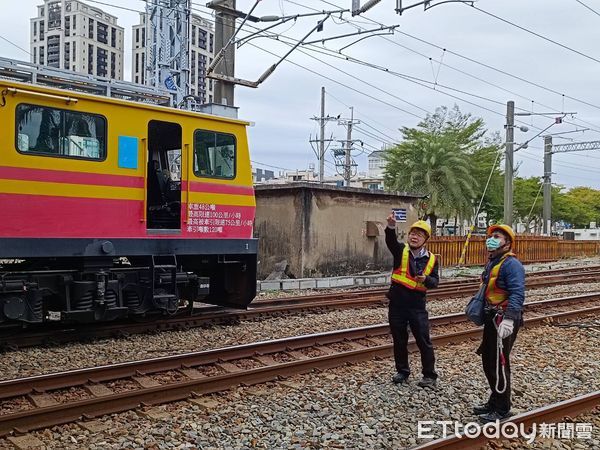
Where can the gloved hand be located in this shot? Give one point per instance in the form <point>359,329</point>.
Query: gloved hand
<point>506,328</point>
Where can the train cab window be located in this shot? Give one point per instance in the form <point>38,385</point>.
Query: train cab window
<point>214,154</point>
<point>57,132</point>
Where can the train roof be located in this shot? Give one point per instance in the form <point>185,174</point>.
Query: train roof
<point>63,83</point>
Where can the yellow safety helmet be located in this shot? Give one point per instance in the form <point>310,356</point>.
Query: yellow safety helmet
<point>422,225</point>
<point>505,229</point>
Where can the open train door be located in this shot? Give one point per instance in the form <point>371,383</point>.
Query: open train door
<point>163,188</point>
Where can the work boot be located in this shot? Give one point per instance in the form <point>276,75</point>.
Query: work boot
<point>427,383</point>
<point>482,409</point>
<point>400,378</point>
<point>494,416</point>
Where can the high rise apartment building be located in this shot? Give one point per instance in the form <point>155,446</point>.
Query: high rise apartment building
<point>201,54</point>
<point>68,34</point>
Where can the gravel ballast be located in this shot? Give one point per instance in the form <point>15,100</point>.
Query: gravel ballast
<point>354,406</point>
<point>40,360</point>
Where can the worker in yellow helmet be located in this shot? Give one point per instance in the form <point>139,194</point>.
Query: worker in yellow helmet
<point>415,270</point>
<point>504,281</point>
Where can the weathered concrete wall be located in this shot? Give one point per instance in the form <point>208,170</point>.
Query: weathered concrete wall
<point>278,226</point>
<point>323,230</point>
<point>336,241</point>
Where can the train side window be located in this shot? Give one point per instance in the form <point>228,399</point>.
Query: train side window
<point>214,154</point>
<point>57,132</point>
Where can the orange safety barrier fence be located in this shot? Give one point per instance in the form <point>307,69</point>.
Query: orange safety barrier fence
<point>529,249</point>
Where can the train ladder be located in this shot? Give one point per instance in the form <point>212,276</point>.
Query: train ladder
<point>160,265</point>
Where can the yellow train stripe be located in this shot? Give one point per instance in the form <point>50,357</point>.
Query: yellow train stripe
<point>70,190</point>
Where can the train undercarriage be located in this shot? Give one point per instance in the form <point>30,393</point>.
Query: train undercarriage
<point>100,288</point>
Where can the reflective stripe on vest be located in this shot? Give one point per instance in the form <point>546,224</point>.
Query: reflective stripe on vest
<point>493,294</point>
<point>402,275</point>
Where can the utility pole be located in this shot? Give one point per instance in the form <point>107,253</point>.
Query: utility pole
<point>508,163</point>
<point>547,212</point>
<point>224,28</point>
<point>322,137</point>
<point>347,166</point>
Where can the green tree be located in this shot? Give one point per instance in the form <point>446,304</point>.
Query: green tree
<point>579,206</point>
<point>445,157</point>
<point>528,201</point>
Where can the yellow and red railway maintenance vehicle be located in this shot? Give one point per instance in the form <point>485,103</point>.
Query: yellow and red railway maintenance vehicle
<point>114,208</point>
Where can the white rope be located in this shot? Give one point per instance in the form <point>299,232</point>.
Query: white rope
<point>499,348</point>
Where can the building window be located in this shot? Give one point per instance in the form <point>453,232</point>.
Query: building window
<point>143,37</point>
<point>35,28</point>
<point>101,62</point>
<point>137,35</point>
<point>210,43</point>
<point>42,55</point>
<point>113,64</point>
<point>137,62</point>
<point>74,51</point>
<point>102,33</point>
<point>56,132</point>
<point>202,39</point>
<point>214,154</point>
<point>67,57</point>
<point>41,30</point>
<point>143,68</point>
<point>35,55</point>
<point>90,59</point>
<point>91,29</point>
<point>113,37</point>
<point>193,35</point>
<point>54,15</point>
<point>74,23</point>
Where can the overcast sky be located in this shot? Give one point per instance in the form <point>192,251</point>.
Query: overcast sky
<point>282,106</point>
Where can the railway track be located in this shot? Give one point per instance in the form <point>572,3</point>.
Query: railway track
<point>546,414</point>
<point>47,400</point>
<point>17,337</point>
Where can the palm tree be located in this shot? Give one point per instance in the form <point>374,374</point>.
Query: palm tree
<point>433,160</point>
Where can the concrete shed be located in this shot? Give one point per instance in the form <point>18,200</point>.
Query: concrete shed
<point>324,230</point>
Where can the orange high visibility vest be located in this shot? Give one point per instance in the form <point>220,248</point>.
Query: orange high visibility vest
<point>402,275</point>
<point>493,294</point>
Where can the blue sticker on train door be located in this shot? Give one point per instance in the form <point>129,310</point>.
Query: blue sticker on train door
<point>128,152</point>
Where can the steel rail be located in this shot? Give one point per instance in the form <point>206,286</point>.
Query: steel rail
<point>198,383</point>
<point>16,337</point>
<point>546,414</point>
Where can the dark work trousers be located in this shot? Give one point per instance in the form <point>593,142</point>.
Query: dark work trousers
<point>400,319</point>
<point>489,356</point>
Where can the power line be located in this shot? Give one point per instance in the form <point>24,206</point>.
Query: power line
<point>586,6</point>
<point>424,41</point>
<point>12,43</point>
<point>362,118</point>
<point>527,30</point>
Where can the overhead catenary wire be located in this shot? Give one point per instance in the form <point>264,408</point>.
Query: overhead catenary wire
<point>14,45</point>
<point>586,6</point>
<point>527,30</point>
<point>446,50</point>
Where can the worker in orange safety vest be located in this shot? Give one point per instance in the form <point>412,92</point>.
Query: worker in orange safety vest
<point>504,283</point>
<point>415,270</point>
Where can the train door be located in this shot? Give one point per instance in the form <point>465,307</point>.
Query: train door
<point>164,176</point>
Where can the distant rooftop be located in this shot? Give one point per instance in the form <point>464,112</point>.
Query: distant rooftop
<point>328,187</point>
